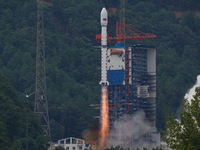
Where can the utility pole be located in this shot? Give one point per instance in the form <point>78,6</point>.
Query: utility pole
<point>41,103</point>
<point>27,121</point>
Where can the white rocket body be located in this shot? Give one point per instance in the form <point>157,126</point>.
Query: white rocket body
<point>104,23</point>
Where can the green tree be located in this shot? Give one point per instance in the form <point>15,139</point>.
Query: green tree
<point>184,134</point>
<point>13,122</point>
<point>72,64</point>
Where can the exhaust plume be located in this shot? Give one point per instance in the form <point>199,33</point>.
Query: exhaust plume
<point>129,132</point>
<point>104,122</point>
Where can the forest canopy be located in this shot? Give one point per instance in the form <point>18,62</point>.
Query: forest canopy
<point>73,64</point>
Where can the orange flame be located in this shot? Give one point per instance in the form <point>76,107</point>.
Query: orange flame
<point>104,124</point>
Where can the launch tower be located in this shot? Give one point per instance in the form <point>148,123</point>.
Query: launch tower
<point>131,75</point>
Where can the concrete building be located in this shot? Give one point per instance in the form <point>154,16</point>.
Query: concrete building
<point>72,143</point>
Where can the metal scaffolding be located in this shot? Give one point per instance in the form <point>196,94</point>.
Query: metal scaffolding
<point>144,80</point>
<point>138,91</point>
<point>41,103</point>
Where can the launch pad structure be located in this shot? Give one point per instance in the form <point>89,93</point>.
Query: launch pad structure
<point>130,75</point>
<point>132,81</point>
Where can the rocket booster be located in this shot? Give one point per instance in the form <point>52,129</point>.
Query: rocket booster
<point>104,23</point>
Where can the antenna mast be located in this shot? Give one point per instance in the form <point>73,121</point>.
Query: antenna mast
<point>41,103</point>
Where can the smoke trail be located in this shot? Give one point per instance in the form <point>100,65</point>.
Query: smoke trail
<point>104,124</point>
<point>130,131</point>
<point>90,135</point>
<point>189,95</point>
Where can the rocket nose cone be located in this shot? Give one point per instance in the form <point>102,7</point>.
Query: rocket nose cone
<point>104,11</point>
<point>104,17</point>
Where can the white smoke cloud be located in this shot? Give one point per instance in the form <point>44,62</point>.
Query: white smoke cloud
<point>189,95</point>
<point>129,132</point>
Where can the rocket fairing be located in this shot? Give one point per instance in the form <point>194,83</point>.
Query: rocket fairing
<point>104,17</point>
<point>104,23</point>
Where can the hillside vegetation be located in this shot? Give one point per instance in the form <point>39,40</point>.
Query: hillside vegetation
<point>16,129</point>
<point>73,64</point>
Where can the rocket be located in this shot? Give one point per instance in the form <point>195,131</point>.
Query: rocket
<point>104,23</point>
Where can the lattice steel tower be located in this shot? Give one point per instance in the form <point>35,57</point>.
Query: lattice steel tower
<point>41,103</point>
